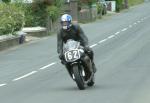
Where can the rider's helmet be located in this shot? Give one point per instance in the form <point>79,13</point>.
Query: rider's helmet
<point>66,21</point>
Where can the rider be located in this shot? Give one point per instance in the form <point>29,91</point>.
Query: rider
<point>72,31</point>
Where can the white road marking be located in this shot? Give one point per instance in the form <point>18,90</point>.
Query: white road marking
<point>102,41</point>
<point>135,23</point>
<point>3,84</point>
<point>130,26</point>
<point>111,36</point>
<point>117,33</point>
<point>48,66</point>
<point>33,72</point>
<point>124,29</point>
<point>145,17</point>
<point>93,45</point>
<point>139,21</point>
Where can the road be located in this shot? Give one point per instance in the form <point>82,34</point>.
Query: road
<point>31,73</point>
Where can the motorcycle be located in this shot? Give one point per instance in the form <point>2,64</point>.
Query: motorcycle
<point>80,65</point>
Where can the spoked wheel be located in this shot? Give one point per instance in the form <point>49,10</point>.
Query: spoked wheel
<point>78,77</point>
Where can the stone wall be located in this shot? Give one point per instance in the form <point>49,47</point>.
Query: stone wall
<point>9,42</point>
<point>85,15</point>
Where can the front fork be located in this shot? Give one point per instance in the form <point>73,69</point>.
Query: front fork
<point>85,63</point>
<point>80,66</point>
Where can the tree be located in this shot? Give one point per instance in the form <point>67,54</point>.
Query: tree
<point>6,1</point>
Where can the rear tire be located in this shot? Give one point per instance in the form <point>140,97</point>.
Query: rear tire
<point>78,77</point>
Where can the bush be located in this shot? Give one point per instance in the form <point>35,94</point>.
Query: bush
<point>119,5</point>
<point>15,16</point>
<point>29,17</point>
<point>89,2</point>
<point>53,12</point>
<point>35,14</point>
<point>6,1</point>
<point>99,8</point>
<point>12,18</point>
<point>54,9</point>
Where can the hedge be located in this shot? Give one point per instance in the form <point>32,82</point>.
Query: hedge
<point>36,14</point>
<point>119,5</point>
<point>12,18</point>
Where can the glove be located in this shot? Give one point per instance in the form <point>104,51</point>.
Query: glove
<point>61,57</point>
<point>87,48</point>
<point>89,51</point>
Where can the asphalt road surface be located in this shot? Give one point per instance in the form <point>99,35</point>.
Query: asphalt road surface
<point>31,73</point>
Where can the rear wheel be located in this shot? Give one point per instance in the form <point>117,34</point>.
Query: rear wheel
<point>78,77</point>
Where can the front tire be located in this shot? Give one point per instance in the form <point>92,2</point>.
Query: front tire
<point>78,77</point>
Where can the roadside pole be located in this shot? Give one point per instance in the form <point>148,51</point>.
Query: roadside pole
<point>126,4</point>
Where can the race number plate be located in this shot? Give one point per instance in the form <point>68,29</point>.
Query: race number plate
<point>72,55</point>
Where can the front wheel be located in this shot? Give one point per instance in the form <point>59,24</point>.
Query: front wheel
<point>78,77</point>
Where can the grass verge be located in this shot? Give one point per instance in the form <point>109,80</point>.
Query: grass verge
<point>135,2</point>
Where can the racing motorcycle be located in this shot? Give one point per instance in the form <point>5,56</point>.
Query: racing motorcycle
<point>80,65</point>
